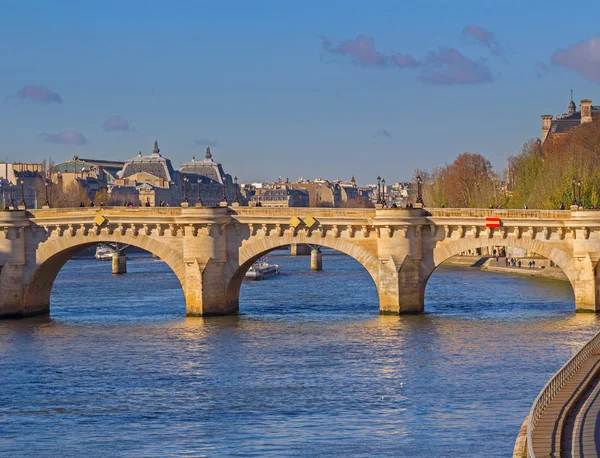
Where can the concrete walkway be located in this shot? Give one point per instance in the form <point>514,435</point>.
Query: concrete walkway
<point>582,428</point>
<point>567,426</point>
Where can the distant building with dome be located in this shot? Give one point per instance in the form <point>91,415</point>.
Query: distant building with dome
<point>152,180</point>
<point>213,181</point>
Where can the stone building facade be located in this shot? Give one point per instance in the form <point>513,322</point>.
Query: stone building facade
<point>553,129</point>
<point>21,183</point>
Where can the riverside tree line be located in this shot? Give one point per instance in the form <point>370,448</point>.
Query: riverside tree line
<point>536,177</point>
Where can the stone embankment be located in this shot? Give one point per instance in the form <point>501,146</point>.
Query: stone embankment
<point>553,272</point>
<point>543,268</point>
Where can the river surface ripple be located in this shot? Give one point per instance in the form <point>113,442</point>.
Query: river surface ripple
<point>308,368</point>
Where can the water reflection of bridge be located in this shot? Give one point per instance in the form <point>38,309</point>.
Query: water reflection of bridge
<point>210,249</point>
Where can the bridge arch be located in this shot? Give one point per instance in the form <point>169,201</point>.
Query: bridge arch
<point>254,248</point>
<point>52,254</point>
<point>448,248</point>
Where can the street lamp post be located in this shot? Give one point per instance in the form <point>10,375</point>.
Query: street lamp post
<point>22,191</point>
<point>12,198</point>
<point>419,190</point>
<point>574,201</point>
<point>235,189</point>
<point>579,192</point>
<point>185,180</point>
<point>223,202</point>
<point>378,189</point>
<point>199,199</point>
<point>46,183</point>
<point>383,192</point>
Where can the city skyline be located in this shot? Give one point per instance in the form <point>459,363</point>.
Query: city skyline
<point>310,90</point>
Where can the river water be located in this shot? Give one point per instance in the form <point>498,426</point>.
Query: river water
<point>308,368</point>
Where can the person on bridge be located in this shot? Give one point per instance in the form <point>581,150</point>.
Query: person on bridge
<point>81,204</point>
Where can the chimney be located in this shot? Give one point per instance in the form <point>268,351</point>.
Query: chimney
<point>546,124</point>
<point>586,110</point>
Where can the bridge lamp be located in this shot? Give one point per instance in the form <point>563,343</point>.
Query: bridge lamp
<point>419,189</point>
<point>22,191</point>
<point>2,191</point>
<point>235,188</point>
<point>383,192</point>
<point>185,180</point>
<point>378,189</point>
<point>46,183</point>
<point>224,197</point>
<point>574,201</point>
<point>579,191</point>
<point>199,184</point>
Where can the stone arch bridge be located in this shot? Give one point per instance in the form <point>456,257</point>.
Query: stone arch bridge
<point>210,249</point>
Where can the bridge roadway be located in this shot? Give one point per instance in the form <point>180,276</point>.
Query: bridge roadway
<point>210,249</point>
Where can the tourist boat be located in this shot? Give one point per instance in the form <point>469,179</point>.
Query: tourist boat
<point>105,253</point>
<point>261,269</point>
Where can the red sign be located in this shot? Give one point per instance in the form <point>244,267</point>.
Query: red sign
<point>492,222</point>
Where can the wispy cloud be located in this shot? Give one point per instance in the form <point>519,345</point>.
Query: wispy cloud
<point>361,50</point>
<point>117,123</point>
<point>39,94</point>
<point>445,66</point>
<point>66,137</point>
<point>404,61</point>
<point>448,66</point>
<point>476,34</point>
<point>582,57</point>
<point>206,142</point>
<point>383,133</point>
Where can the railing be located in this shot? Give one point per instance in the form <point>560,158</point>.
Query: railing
<point>554,385</point>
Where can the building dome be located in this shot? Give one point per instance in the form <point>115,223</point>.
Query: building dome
<point>572,108</point>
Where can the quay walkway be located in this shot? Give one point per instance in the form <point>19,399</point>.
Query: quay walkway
<point>564,419</point>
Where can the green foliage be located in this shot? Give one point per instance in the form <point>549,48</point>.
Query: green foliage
<point>544,179</point>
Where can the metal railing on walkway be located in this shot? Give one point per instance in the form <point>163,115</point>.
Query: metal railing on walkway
<point>554,385</point>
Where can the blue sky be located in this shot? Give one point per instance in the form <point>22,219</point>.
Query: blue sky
<point>282,88</point>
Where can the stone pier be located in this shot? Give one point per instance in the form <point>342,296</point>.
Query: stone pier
<point>316,259</point>
<point>119,263</point>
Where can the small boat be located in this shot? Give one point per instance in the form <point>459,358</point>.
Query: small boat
<point>105,253</point>
<point>261,269</point>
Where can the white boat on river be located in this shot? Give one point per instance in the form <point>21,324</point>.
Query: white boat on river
<point>261,269</point>
<point>105,253</point>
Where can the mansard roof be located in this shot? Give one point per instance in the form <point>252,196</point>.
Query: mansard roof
<point>154,164</point>
<point>206,167</point>
<point>566,123</point>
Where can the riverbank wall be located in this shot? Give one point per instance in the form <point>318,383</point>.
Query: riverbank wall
<point>554,273</point>
<point>489,264</point>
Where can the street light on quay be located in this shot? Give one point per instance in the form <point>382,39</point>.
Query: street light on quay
<point>235,189</point>
<point>378,189</point>
<point>574,201</point>
<point>579,193</point>
<point>383,193</point>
